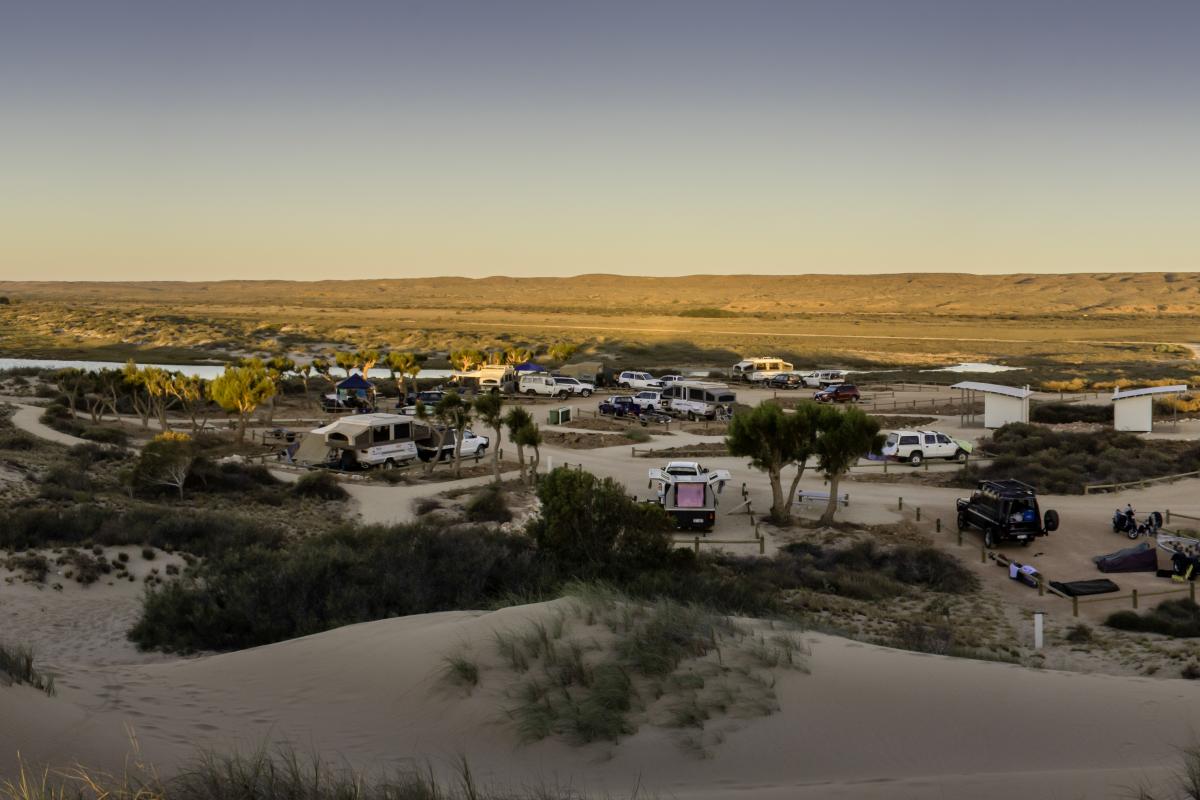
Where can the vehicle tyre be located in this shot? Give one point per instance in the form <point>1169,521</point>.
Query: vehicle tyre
<point>1025,542</point>
<point>624,385</point>
<point>691,415</point>
<point>389,464</point>
<point>961,456</point>
<point>1050,521</point>
<point>1132,533</point>
<point>586,393</point>
<point>530,392</point>
<point>347,462</point>
<point>561,395</point>
<point>916,458</point>
<point>962,521</point>
<point>990,537</point>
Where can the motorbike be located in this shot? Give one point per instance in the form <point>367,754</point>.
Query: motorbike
<point>1126,523</point>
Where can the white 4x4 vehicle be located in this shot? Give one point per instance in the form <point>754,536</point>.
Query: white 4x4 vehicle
<point>916,446</point>
<point>638,380</point>
<point>543,384</point>
<point>574,385</point>
<point>648,400</point>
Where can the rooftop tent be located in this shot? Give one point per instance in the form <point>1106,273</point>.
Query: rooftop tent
<point>1001,404</point>
<point>529,366</point>
<point>1141,558</point>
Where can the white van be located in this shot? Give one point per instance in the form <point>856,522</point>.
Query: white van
<point>372,440</point>
<point>695,399</point>
<point>759,369</point>
<point>630,379</point>
<point>823,378</point>
<point>540,383</point>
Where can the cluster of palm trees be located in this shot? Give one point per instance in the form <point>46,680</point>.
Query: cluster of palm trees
<point>454,413</point>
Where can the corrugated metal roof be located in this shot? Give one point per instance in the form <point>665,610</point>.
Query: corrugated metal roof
<point>1118,395</point>
<point>993,388</point>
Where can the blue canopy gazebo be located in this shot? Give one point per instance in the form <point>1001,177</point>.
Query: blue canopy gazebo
<point>355,390</point>
<point>529,366</point>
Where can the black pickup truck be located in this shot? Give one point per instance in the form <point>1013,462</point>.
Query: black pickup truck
<point>1005,510</point>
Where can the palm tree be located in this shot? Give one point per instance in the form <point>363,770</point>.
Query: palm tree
<point>489,407</point>
<point>402,364</point>
<point>516,419</point>
<point>530,436</point>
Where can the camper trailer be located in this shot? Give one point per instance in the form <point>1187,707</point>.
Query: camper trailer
<point>698,399</point>
<point>759,368</point>
<point>365,440</point>
<point>688,493</point>
<point>488,378</point>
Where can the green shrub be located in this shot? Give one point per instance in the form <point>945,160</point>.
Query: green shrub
<point>16,440</point>
<point>1060,413</point>
<point>1178,618</point>
<point>247,596</point>
<point>488,505</point>
<point>1061,462</point>
<point>320,485</point>
<point>590,527</point>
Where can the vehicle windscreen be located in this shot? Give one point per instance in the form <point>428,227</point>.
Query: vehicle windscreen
<point>689,495</point>
<point>892,440</point>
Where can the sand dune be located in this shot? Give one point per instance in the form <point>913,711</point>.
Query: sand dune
<point>867,722</point>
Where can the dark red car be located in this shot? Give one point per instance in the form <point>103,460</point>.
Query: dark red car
<point>838,393</point>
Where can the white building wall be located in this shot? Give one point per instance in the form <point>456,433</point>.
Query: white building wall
<point>1134,414</point>
<point>1000,409</point>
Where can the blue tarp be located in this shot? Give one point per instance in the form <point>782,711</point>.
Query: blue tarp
<point>529,366</point>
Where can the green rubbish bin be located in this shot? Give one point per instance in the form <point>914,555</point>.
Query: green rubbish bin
<point>559,416</point>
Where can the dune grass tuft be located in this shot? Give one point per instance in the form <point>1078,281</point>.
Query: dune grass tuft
<point>17,666</point>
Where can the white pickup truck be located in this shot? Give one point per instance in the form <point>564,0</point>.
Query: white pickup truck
<point>473,446</point>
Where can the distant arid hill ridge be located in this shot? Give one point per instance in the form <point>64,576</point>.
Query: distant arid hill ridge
<point>935,293</point>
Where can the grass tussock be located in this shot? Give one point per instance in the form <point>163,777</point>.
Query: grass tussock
<point>614,664</point>
<point>17,666</point>
<point>265,775</point>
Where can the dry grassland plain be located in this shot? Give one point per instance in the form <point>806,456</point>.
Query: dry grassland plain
<point>1102,326</point>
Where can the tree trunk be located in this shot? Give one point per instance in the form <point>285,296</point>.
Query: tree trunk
<point>243,417</point>
<point>496,454</point>
<point>779,507</point>
<point>433,460</point>
<point>458,434</point>
<point>795,483</point>
<point>831,507</point>
<point>521,460</point>
<point>537,460</point>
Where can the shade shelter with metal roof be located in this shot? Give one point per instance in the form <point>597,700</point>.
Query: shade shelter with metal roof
<point>1133,409</point>
<point>1001,404</point>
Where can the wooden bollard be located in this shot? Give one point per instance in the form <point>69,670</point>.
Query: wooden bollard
<point>1041,587</point>
<point>1191,591</point>
<point>696,545</point>
<point>982,555</point>
<point>937,524</point>
<point>918,513</point>
<point>1133,594</point>
<point>960,537</point>
<point>1168,519</point>
<point>1074,605</point>
<point>762,545</point>
<point>900,504</point>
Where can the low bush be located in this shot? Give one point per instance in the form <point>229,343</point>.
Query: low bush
<point>1062,462</point>
<point>1178,618</point>
<point>255,595</point>
<point>16,440</point>
<point>60,418</point>
<point>1060,413</point>
<point>200,533</point>
<point>488,505</point>
<point>320,485</point>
